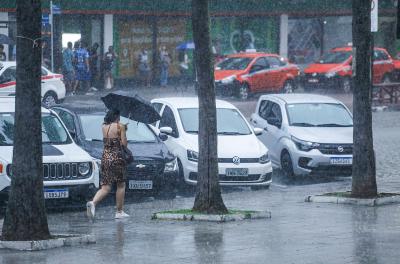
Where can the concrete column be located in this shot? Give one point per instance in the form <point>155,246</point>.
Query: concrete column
<point>108,31</point>
<point>283,43</point>
<point>4,18</point>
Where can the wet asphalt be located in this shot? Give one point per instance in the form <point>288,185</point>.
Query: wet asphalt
<point>298,232</point>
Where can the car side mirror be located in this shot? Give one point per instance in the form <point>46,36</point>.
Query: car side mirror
<point>166,130</point>
<point>258,131</point>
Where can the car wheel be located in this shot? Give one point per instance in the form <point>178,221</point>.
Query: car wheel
<point>244,91</point>
<point>183,188</point>
<point>386,79</point>
<point>288,87</point>
<point>346,85</point>
<point>287,165</point>
<point>166,191</point>
<point>49,99</point>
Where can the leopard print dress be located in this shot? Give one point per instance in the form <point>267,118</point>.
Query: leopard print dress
<point>113,166</point>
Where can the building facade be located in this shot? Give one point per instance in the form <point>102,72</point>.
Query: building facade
<point>301,30</point>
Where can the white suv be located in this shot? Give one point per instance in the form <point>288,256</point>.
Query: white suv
<point>69,173</point>
<point>242,159</point>
<point>53,88</point>
<point>306,133</point>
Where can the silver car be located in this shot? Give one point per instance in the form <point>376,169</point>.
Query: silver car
<point>306,133</point>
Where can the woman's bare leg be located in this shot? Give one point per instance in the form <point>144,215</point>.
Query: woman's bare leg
<point>101,194</point>
<point>120,196</point>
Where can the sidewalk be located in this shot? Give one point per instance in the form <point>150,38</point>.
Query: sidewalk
<point>297,233</point>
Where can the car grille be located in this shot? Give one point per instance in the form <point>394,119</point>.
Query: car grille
<point>145,170</point>
<point>59,171</point>
<point>224,178</point>
<point>334,149</point>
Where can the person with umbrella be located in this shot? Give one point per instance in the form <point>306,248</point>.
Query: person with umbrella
<point>113,164</point>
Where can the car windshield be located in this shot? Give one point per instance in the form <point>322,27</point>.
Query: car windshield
<point>237,63</point>
<point>137,132</point>
<point>53,132</point>
<point>335,57</point>
<point>229,121</point>
<point>319,115</point>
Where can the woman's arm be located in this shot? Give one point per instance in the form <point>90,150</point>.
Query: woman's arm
<point>124,141</point>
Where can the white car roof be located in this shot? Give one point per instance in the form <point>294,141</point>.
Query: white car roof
<point>301,98</point>
<point>189,102</point>
<point>7,105</point>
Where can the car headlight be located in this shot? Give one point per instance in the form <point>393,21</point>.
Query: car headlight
<point>264,159</point>
<point>192,155</point>
<point>331,74</point>
<point>228,79</point>
<point>304,145</point>
<point>84,168</point>
<point>171,166</point>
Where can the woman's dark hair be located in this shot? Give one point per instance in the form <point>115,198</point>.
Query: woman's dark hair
<point>111,116</point>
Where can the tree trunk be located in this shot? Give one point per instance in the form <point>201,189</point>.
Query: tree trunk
<point>208,196</point>
<point>26,216</point>
<point>364,173</point>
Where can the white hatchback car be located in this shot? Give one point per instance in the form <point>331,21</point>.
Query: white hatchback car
<point>242,159</point>
<point>69,173</point>
<point>306,133</point>
<point>53,88</point>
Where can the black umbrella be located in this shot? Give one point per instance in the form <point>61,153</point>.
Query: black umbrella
<point>132,107</point>
<point>6,40</point>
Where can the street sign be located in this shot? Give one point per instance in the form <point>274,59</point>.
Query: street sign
<point>45,19</point>
<point>374,15</point>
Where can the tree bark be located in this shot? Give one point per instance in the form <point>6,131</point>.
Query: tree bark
<point>364,172</point>
<point>25,215</point>
<point>208,195</point>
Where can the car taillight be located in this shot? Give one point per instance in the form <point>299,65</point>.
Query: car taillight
<point>1,168</point>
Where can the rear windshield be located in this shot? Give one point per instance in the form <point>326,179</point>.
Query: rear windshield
<point>137,132</point>
<point>53,132</point>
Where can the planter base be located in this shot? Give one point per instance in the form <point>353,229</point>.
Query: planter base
<point>237,216</point>
<point>56,242</point>
<point>385,200</point>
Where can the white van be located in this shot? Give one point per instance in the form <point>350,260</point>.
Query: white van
<point>69,173</point>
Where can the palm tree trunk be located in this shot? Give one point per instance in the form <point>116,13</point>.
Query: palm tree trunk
<point>364,172</point>
<point>25,215</point>
<point>208,196</point>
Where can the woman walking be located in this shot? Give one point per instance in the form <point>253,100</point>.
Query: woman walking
<point>113,165</point>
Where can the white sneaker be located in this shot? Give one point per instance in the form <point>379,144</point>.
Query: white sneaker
<point>93,89</point>
<point>120,215</point>
<point>90,210</point>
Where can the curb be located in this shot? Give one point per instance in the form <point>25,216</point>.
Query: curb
<point>354,201</point>
<point>62,241</point>
<point>212,218</point>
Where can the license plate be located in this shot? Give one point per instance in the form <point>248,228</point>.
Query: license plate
<point>341,161</point>
<point>140,185</point>
<point>237,172</point>
<point>313,80</point>
<point>56,193</point>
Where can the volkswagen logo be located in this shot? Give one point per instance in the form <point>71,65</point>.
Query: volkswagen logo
<point>236,160</point>
<point>340,149</point>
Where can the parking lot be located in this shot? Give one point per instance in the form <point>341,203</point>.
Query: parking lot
<point>297,233</point>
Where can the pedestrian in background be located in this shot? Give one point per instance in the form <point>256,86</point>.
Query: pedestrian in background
<point>68,68</point>
<point>113,165</point>
<point>165,61</point>
<point>82,68</point>
<point>108,64</point>
<point>3,56</point>
<point>144,68</point>
<point>184,69</point>
<point>94,71</point>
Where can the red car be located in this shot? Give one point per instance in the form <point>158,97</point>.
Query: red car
<point>244,73</point>
<point>334,69</point>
